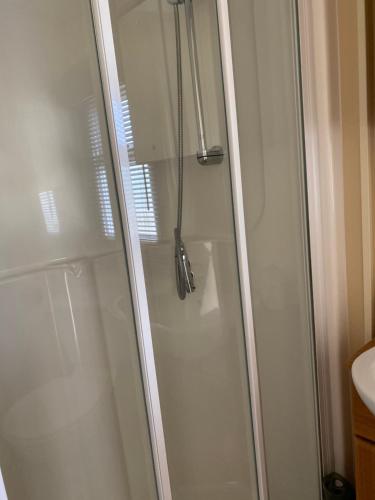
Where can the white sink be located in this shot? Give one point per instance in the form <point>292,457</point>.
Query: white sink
<point>363,373</point>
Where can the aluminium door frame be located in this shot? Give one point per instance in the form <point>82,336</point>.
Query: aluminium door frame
<point>241,241</point>
<point>112,97</point>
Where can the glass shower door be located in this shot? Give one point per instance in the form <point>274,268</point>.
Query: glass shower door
<point>198,342</point>
<point>267,82</point>
<point>73,422</point>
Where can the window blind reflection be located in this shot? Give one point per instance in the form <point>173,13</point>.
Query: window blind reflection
<point>48,206</point>
<point>101,178</point>
<point>143,182</point>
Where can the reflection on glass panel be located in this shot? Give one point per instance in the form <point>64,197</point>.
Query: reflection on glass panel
<point>95,140</point>
<point>105,201</point>
<point>48,204</point>
<point>198,342</point>
<point>143,187</point>
<point>73,421</point>
<point>144,196</point>
<point>127,121</point>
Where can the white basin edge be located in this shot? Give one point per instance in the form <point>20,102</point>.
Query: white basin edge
<point>363,375</point>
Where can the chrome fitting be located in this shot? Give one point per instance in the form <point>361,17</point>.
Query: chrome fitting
<point>213,156</point>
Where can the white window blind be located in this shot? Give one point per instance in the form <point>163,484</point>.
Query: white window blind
<point>143,185</point>
<point>49,209</point>
<point>97,154</point>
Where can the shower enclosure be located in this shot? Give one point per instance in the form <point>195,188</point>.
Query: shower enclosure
<point>117,115</point>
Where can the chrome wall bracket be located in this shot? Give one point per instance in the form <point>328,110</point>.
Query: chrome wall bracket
<point>211,157</point>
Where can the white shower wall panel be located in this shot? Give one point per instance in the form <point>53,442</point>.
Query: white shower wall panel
<point>59,422</point>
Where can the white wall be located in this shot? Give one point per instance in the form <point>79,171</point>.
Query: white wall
<point>334,77</point>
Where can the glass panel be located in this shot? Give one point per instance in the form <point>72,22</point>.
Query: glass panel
<point>198,342</point>
<point>72,412</point>
<point>264,48</point>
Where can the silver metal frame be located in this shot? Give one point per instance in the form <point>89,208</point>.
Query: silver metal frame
<point>111,88</point>
<point>215,154</point>
<point>193,52</point>
<point>239,215</point>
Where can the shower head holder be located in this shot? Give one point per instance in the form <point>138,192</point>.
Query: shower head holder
<point>211,156</point>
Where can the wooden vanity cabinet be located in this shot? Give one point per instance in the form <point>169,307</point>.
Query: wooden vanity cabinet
<point>364,443</point>
<point>364,468</point>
